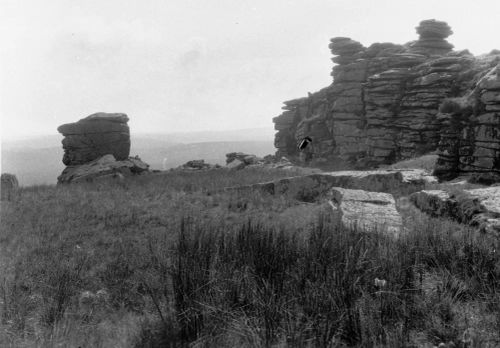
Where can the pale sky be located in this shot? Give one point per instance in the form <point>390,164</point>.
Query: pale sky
<point>181,65</point>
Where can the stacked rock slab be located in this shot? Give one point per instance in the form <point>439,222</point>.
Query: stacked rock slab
<point>383,104</point>
<point>95,136</point>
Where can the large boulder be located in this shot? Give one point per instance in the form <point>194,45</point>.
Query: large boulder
<point>367,211</point>
<point>95,136</point>
<point>9,187</point>
<point>105,167</point>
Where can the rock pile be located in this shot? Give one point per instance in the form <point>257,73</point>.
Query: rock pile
<point>239,160</point>
<point>9,186</point>
<point>383,104</point>
<point>197,165</point>
<point>95,136</point>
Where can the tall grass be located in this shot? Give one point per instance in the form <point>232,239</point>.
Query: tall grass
<point>181,263</point>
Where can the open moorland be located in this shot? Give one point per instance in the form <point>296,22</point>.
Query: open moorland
<point>172,259</point>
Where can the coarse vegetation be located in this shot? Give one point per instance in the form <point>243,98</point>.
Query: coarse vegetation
<point>173,260</point>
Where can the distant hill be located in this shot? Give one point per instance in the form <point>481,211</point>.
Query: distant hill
<point>38,160</point>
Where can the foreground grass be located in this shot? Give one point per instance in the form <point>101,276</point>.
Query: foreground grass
<point>169,260</point>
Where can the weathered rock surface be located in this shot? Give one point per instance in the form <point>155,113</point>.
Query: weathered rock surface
<point>105,167</point>
<point>470,141</point>
<point>310,187</point>
<point>95,136</point>
<point>477,207</point>
<point>366,211</point>
<point>383,106</point>
<point>9,186</point>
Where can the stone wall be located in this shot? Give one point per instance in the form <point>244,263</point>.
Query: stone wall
<point>383,104</point>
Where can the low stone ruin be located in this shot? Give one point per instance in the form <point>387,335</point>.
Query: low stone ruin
<point>384,106</point>
<point>97,147</point>
<point>479,208</point>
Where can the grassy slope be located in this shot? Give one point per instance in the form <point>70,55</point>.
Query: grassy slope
<point>180,263</point>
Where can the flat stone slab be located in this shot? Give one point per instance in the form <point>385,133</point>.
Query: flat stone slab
<point>366,211</point>
<point>477,207</point>
<point>310,187</point>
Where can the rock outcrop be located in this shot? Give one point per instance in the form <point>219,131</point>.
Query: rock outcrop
<point>366,211</point>
<point>96,148</point>
<point>478,207</point>
<point>95,136</point>
<point>9,186</point>
<point>105,167</point>
<point>383,105</point>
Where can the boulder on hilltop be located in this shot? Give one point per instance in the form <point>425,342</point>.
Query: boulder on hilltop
<point>95,136</point>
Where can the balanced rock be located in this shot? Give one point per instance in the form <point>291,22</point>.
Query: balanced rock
<point>95,136</point>
<point>105,167</point>
<point>9,186</point>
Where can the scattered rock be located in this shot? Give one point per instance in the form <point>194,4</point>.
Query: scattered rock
<point>105,167</point>
<point>366,211</point>
<point>95,136</point>
<point>197,165</point>
<point>9,187</point>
